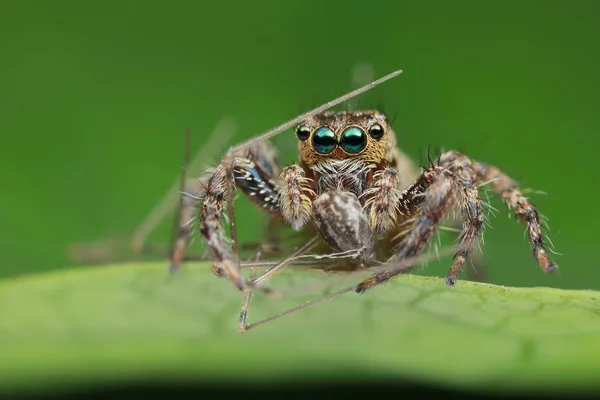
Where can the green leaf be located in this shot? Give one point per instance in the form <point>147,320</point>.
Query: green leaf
<point>124,322</point>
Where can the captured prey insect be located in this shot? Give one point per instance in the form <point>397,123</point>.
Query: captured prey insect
<point>354,190</point>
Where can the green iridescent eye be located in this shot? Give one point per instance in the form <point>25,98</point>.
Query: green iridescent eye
<point>323,140</point>
<point>354,140</point>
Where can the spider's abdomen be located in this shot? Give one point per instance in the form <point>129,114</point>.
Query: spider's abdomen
<point>339,218</point>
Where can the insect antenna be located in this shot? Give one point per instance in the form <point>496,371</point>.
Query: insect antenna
<point>308,114</point>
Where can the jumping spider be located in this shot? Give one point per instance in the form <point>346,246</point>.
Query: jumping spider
<point>356,190</point>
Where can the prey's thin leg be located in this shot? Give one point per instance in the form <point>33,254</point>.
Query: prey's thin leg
<point>281,265</point>
<point>248,293</point>
<point>176,237</point>
<point>312,112</point>
<point>242,327</point>
<point>404,265</point>
<point>245,305</point>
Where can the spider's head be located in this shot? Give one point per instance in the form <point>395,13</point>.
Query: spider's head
<point>363,135</point>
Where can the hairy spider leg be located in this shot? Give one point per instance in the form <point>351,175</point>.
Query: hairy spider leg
<point>254,181</point>
<point>254,172</point>
<point>513,197</point>
<point>470,207</point>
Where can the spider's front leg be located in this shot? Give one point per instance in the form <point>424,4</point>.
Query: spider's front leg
<point>254,175</point>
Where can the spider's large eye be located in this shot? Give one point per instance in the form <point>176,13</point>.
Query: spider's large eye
<point>303,132</point>
<point>353,140</point>
<point>376,131</point>
<point>324,141</point>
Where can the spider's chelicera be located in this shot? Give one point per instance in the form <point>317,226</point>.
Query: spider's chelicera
<point>358,193</point>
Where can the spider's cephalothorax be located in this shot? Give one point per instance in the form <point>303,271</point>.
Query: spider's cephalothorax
<point>354,190</point>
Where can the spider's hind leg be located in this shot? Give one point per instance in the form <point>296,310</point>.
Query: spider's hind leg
<point>514,200</point>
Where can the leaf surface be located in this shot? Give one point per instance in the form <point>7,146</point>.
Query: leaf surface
<point>134,321</point>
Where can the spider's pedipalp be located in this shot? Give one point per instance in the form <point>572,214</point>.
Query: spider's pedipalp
<point>295,197</point>
<point>382,204</point>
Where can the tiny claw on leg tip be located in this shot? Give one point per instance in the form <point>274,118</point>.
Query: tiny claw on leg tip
<point>552,267</point>
<point>360,289</point>
<point>240,285</point>
<point>450,281</point>
<point>173,269</point>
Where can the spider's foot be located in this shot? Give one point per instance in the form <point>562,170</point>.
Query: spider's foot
<point>174,268</point>
<point>551,268</point>
<point>237,279</point>
<point>218,271</point>
<point>368,284</point>
<point>544,261</point>
<point>450,280</point>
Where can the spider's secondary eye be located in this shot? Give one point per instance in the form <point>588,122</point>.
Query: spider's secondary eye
<point>303,132</point>
<point>353,140</point>
<point>324,141</point>
<point>376,131</point>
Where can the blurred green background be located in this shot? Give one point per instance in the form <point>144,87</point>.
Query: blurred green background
<point>96,97</point>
